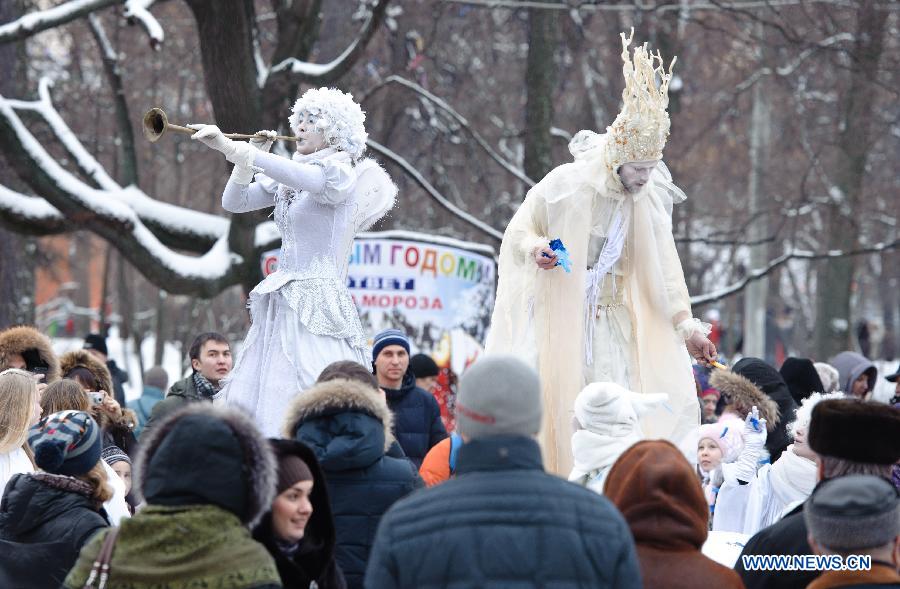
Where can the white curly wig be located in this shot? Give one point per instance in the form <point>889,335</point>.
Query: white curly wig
<point>339,119</point>
<point>804,412</point>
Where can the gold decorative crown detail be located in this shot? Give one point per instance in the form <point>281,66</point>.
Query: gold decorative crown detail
<point>640,130</point>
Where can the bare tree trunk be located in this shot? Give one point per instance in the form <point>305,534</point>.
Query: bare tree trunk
<point>755,296</point>
<point>835,277</point>
<point>540,82</point>
<point>17,266</point>
<point>160,328</point>
<point>231,84</point>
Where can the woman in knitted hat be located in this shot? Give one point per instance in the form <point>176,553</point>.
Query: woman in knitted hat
<point>19,410</point>
<point>67,395</point>
<point>207,476</point>
<point>46,517</point>
<point>299,530</point>
<point>323,195</point>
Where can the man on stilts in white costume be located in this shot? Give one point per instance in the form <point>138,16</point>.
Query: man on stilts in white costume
<point>303,316</point>
<point>623,313</point>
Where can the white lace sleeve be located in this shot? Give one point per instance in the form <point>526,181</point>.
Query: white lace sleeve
<point>238,198</point>
<point>327,182</point>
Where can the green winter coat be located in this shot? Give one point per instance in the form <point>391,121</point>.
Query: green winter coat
<point>183,547</point>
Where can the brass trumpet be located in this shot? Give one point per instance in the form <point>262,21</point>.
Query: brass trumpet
<point>156,124</point>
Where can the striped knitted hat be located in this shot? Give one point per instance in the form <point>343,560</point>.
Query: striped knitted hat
<point>113,454</point>
<point>389,337</point>
<point>67,442</point>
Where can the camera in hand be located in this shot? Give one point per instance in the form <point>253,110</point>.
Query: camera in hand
<point>96,398</point>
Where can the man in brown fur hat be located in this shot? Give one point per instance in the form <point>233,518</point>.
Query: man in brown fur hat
<point>849,436</point>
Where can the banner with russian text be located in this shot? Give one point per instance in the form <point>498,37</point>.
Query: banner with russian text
<point>440,291</point>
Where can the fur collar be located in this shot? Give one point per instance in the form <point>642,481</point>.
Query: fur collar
<point>337,395</point>
<point>83,358</point>
<point>742,394</point>
<point>64,483</point>
<point>16,340</point>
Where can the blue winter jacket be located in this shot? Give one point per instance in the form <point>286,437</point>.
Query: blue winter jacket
<point>503,523</point>
<point>143,406</point>
<point>348,425</point>
<point>417,419</point>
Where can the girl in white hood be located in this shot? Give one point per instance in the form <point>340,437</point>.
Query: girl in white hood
<point>779,487</point>
<point>606,423</point>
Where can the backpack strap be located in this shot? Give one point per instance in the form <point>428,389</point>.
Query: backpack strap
<point>100,568</point>
<point>455,443</point>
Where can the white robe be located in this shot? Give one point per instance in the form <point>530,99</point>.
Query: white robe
<point>542,316</point>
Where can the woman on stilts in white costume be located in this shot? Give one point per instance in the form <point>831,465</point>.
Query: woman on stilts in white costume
<point>303,317</point>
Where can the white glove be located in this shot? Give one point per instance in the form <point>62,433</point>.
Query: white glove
<point>235,152</point>
<point>263,140</point>
<point>744,468</point>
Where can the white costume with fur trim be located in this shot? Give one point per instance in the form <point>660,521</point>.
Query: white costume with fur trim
<point>303,316</point>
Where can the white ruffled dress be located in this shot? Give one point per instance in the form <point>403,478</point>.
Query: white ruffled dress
<point>303,317</point>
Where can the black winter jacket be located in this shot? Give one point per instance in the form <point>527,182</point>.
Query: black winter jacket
<point>417,418</point>
<point>314,561</point>
<point>45,519</point>
<point>348,427</point>
<point>786,536</point>
<point>503,522</point>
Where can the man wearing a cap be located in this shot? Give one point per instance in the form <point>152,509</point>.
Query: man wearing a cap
<point>502,521</point>
<point>856,515</point>
<point>417,415</point>
<point>849,437</point>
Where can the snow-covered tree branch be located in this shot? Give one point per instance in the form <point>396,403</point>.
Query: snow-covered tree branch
<point>461,120</point>
<point>326,73</point>
<point>42,20</point>
<point>109,210</point>
<point>760,273</point>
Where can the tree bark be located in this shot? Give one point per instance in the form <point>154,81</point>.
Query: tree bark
<point>540,82</point>
<point>229,70</point>
<point>17,266</point>
<point>755,298</point>
<point>835,278</point>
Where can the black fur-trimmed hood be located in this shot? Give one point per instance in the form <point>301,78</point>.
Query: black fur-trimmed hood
<point>338,396</point>
<point>189,458</point>
<point>84,359</point>
<point>16,340</point>
<point>742,394</point>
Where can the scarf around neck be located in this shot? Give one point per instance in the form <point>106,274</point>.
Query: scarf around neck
<point>205,388</point>
<point>793,477</point>
<point>595,454</point>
